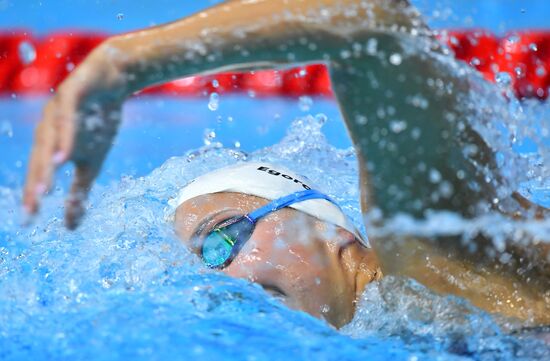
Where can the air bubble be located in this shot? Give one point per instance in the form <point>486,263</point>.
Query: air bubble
<point>27,52</point>
<point>237,144</point>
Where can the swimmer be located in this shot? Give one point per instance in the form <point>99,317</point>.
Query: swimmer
<point>264,223</point>
<point>414,156</point>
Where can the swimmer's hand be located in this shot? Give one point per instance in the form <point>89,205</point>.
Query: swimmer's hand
<point>78,125</point>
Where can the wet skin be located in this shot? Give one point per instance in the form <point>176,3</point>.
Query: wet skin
<point>309,264</point>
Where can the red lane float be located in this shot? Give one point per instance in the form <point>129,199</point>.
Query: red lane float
<point>37,66</point>
<point>525,56</point>
<point>11,63</point>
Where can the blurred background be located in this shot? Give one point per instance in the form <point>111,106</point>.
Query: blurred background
<point>115,16</point>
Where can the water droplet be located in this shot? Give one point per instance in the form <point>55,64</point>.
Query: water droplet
<point>503,78</point>
<point>6,129</point>
<point>321,118</point>
<point>209,136</point>
<point>514,38</point>
<point>345,54</point>
<point>533,47</point>
<point>396,59</point>
<point>120,16</point>
<point>372,46</point>
<point>435,176</point>
<point>27,52</point>
<point>446,189</point>
<point>541,71</point>
<point>397,126</point>
<point>215,83</point>
<point>416,133</point>
<point>325,308</point>
<point>361,119</point>
<point>237,144</point>
<point>305,103</point>
<point>214,102</point>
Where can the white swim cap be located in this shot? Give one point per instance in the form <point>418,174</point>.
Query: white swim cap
<point>269,182</point>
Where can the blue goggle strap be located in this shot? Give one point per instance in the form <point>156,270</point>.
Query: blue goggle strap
<point>287,201</point>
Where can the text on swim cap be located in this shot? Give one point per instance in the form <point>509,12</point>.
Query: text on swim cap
<point>285,176</point>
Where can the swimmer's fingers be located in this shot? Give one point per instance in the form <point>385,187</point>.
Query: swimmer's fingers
<point>75,203</point>
<point>50,149</point>
<point>94,138</point>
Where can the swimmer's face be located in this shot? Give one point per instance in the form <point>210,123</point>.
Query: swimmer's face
<point>310,265</point>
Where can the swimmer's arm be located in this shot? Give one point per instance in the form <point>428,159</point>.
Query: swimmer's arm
<point>245,34</point>
<point>236,34</point>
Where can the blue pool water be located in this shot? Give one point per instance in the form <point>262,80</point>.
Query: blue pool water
<point>124,287</point>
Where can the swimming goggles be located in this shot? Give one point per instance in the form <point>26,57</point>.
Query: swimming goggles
<point>224,242</point>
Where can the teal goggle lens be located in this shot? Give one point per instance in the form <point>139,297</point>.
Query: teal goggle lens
<point>223,243</point>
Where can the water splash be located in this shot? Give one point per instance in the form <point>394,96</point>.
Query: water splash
<point>124,286</point>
